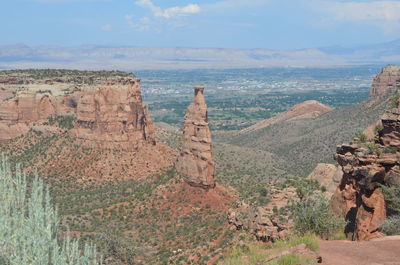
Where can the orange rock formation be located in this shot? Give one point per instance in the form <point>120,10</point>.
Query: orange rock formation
<point>109,110</point>
<point>195,161</point>
<point>388,80</point>
<point>358,196</point>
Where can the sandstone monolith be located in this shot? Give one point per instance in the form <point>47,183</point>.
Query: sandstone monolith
<point>195,162</point>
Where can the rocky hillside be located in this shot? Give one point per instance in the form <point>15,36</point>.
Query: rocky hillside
<point>301,144</point>
<point>305,110</point>
<point>90,138</point>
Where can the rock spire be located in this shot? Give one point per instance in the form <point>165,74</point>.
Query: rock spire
<point>195,162</point>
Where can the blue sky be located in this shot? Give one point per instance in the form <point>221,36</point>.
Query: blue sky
<point>275,24</point>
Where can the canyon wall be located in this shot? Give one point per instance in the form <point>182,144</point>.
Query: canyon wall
<point>388,80</point>
<point>108,110</point>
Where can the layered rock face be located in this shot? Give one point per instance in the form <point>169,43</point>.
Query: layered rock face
<point>113,116</point>
<point>17,114</point>
<point>109,110</point>
<point>195,162</point>
<point>366,166</point>
<point>388,80</point>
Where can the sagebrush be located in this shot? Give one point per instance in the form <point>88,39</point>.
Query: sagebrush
<point>29,232</point>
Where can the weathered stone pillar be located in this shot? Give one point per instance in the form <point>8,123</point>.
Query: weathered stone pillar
<point>195,162</point>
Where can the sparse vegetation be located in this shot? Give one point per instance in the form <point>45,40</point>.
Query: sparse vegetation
<point>29,225</point>
<point>255,253</point>
<point>361,137</point>
<point>62,121</point>
<point>313,215</point>
<point>391,193</point>
<point>394,101</point>
<point>391,226</point>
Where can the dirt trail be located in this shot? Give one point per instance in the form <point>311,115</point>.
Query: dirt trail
<point>384,251</point>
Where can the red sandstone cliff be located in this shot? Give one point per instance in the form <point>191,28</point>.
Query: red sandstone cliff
<point>388,80</point>
<point>109,110</point>
<point>366,166</point>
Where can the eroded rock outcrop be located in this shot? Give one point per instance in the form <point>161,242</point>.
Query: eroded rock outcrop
<point>328,176</point>
<point>107,105</point>
<point>195,162</point>
<point>18,114</point>
<point>256,220</point>
<point>114,116</point>
<point>388,80</point>
<point>366,166</point>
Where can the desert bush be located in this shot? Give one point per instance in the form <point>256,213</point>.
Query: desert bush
<point>290,259</point>
<point>313,215</point>
<point>255,253</point>
<point>29,231</point>
<point>310,240</point>
<point>305,187</point>
<point>338,236</point>
<point>391,193</point>
<point>394,101</point>
<point>391,226</point>
<point>362,138</point>
<point>390,150</point>
<point>62,121</point>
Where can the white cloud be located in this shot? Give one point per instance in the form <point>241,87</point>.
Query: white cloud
<point>142,25</point>
<point>385,14</point>
<point>236,4</point>
<point>169,12</point>
<point>106,27</point>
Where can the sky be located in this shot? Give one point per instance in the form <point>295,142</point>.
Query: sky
<point>268,24</point>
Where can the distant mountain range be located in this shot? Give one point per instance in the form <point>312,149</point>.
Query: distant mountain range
<point>141,58</point>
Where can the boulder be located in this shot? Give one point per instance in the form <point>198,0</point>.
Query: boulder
<point>328,176</point>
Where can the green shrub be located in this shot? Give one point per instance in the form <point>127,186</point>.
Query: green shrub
<point>391,226</point>
<point>338,236</point>
<point>310,240</point>
<point>391,193</point>
<point>394,101</point>
<point>313,215</point>
<point>390,150</point>
<point>29,225</point>
<point>362,138</point>
<point>62,121</point>
<point>289,259</point>
<point>306,187</point>
<point>378,129</point>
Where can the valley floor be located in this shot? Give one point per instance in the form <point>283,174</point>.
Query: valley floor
<point>384,251</point>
